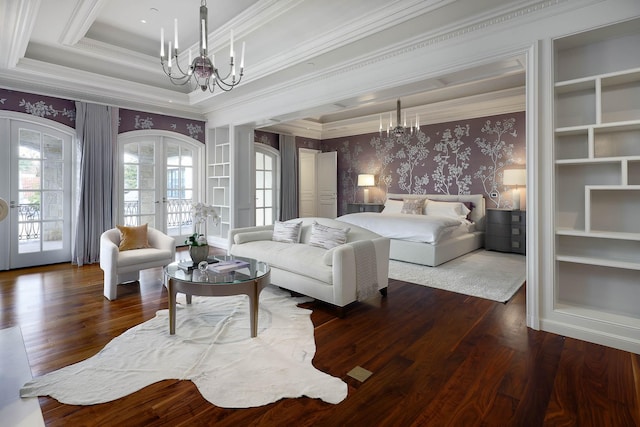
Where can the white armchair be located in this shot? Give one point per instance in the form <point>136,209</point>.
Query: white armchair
<point>121,267</point>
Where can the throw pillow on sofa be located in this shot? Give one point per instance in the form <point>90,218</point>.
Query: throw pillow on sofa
<point>286,232</point>
<point>133,237</point>
<point>327,237</point>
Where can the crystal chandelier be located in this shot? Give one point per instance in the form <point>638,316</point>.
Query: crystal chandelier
<point>399,130</point>
<point>201,70</point>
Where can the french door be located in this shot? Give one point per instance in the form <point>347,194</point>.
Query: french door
<point>159,178</point>
<point>267,188</point>
<point>40,195</point>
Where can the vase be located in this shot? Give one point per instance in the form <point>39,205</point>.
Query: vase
<point>199,253</point>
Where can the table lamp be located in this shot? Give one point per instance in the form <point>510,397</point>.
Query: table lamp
<point>366,180</point>
<point>514,178</point>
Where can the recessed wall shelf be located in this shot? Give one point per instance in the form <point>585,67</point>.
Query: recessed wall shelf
<point>219,184</point>
<point>597,183</point>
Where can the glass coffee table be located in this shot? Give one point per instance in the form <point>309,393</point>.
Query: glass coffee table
<point>249,279</point>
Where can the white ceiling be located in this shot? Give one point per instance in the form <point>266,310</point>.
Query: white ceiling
<point>100,51</point>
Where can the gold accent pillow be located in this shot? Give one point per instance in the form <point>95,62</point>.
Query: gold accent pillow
<point>133,237</point>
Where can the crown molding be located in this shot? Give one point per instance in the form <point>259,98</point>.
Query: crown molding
<point>17,22</point>
<point>82,17</point>
<point>69,83</point>
<point>483,105</point>
<point>373,59</point>
<point>117,55</point>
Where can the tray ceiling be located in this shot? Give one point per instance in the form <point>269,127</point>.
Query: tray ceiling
<point>102,51</point>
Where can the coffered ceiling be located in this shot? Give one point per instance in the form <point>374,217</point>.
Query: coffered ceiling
<point>102,51</point>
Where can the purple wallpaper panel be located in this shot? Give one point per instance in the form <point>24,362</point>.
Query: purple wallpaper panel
<point>59,110</point>
<point>64,111</point>
<point>267,138</point>
<point>136,120</point>
<point>273,140</point>
<point>310,143</point>
<point>461,157</point>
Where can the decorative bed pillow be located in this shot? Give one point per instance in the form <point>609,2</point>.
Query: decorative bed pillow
<point>412,206</point>
<point>133,237</point>
<point>327,237</point>
<point>456,210</point>
<point>392,206</point>
<point>287,232</point>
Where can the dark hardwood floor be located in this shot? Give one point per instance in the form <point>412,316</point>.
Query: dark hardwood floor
<point>438,358</point>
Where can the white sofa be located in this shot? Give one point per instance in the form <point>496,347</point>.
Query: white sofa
<point>327,275</point>
<point>121,267</point>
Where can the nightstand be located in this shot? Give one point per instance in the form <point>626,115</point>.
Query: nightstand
<point>506,230</point>
<point>364,207</point>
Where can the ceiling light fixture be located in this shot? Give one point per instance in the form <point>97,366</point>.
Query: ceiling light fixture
<point>399,130</point>
<point>202,69</point>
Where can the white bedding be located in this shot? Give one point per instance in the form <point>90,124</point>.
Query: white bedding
<point>413,228</point>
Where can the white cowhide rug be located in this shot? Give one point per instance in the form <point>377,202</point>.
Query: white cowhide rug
<point>213,348</point>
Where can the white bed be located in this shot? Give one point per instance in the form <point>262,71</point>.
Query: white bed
<point>409,241</point>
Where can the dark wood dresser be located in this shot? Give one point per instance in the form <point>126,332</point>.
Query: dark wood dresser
<point>506,230</point>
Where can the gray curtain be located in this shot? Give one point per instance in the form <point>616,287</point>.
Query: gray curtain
<point>96,128</point>
<point>289,165</point>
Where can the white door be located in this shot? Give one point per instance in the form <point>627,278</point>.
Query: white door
<point>327,184</point>
<point>307,193</point>
<point>40,196</point>
<point>158,180</point>
<point>266,185</point>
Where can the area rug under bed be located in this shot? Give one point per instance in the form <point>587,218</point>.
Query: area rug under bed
<point>212,347</point>
<point>486,274</point>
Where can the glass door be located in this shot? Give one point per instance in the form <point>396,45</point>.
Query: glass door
<point>40,205</point>
<point>158,183</point>
<point>179,189</point>
<point>266,185</point>
<point>141,202</point>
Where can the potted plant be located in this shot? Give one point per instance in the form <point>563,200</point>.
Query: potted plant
<point>198,247</point>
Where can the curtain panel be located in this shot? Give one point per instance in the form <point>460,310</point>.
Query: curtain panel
<point>289,176</point>
<point>97,131</point>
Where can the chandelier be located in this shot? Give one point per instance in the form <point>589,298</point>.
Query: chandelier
<point>201,70</point>
<point>399,130</point>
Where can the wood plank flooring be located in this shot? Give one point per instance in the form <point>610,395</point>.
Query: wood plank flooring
<point>438,359</point>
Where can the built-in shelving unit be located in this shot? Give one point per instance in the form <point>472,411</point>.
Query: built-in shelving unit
<point>219,185</point>
<point>597,182</point>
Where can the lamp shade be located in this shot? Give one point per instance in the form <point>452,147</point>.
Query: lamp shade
<point>514,177</point>
<point>366,180</point>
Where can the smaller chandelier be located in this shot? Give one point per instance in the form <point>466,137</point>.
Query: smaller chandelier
<point>201,70</point>
<point>399,130</point>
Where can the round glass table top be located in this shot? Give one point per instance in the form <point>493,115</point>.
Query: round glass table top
<point>221,269</point>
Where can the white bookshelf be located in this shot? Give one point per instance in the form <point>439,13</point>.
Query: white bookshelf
<point>597,182</point>
<point>219,185</point>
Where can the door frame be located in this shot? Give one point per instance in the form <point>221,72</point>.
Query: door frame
<point>198,165</point>
<point>6,118</point>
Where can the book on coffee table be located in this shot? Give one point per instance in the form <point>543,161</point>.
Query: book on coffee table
<point>230,265</point>
<point>189,265</point>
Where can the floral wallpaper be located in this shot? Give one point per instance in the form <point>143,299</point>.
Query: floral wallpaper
<point>136,120</point>
<point>461,157</point>
<point>273,140</point>
<point>64,111</point>
<point>59,110</point>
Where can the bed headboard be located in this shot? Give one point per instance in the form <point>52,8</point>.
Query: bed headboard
<point>477,214</point>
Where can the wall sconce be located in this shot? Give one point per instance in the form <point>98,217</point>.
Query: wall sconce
<point>366,180</point>
<point>514,178</point>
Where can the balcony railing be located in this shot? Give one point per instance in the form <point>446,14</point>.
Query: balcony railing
<point>178,212</point>
<point>29,221</point>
